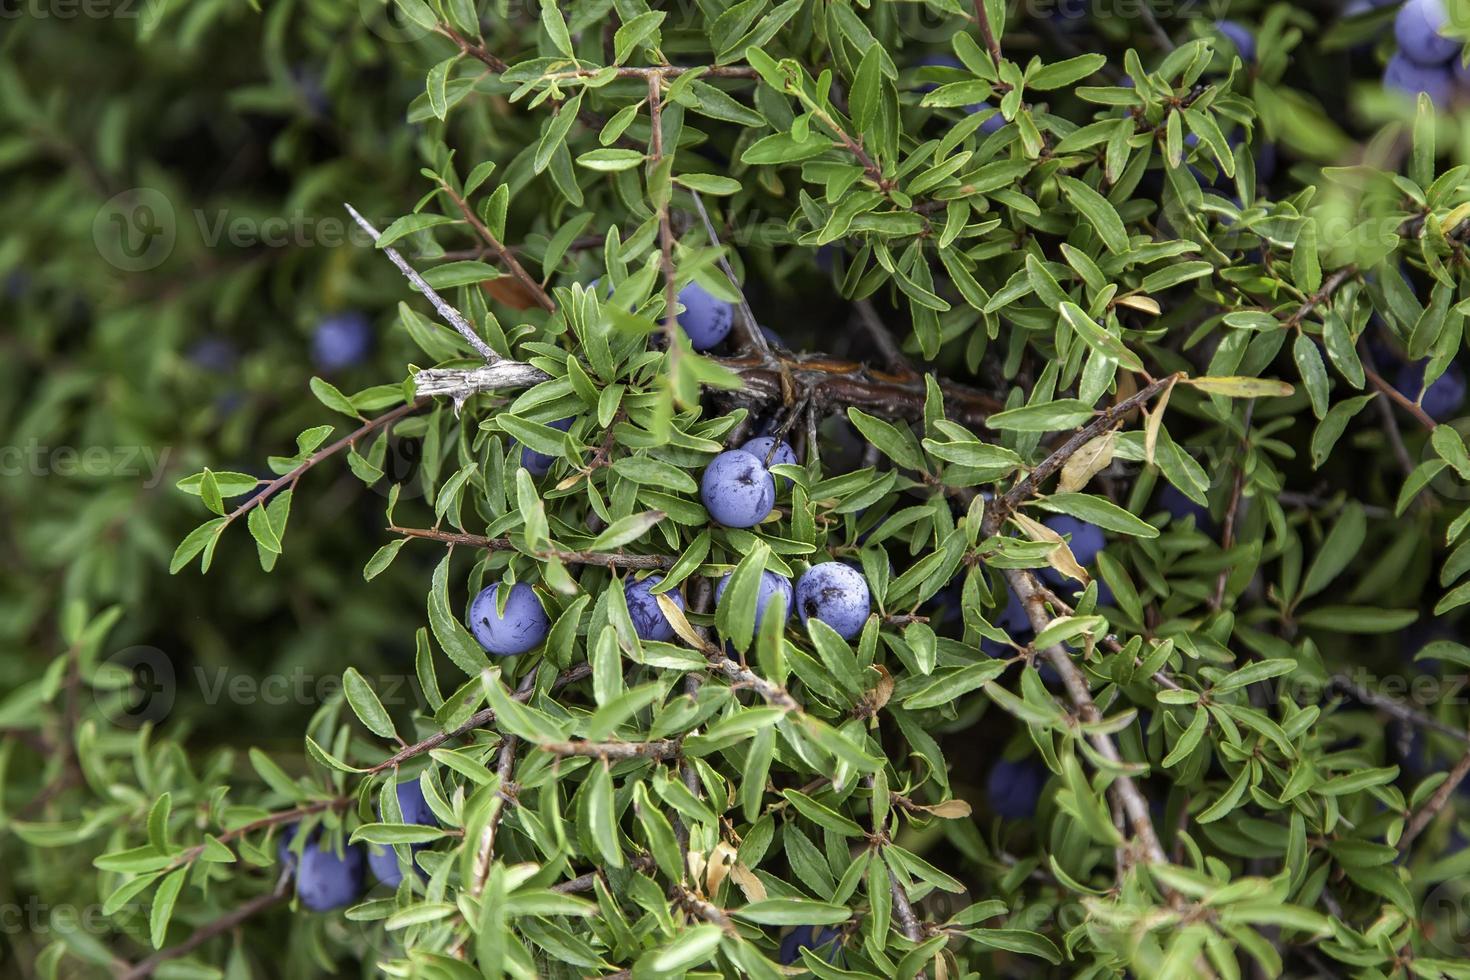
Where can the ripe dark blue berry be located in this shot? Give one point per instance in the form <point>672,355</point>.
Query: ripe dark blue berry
<point>706,318</point>
<point>809,937</point>
<point>415,809</point>
<point>1013,788</point>
<point>341,340</point>
<point>1419,29</point>
<point>523,626</point>
<point>771,586</point>
<point>649,621</point>
<point>1442,399</point>
<point>1173,500</point>
<point>837,594</point>
<point>737,489</point>
<point>1238,35</point>
<point>326,879</point>
<point>1411,78</point>
<point>539,464</point>
<point>770,452</point>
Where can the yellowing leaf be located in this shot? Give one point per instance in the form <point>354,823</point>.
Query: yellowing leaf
<point>1155,420</point>
<point>1061,557</point>
<point>1237,387</point>
<point>1144,304</point>
<point>1088,461</point>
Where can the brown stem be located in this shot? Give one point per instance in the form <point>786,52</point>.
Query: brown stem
<point>1232,512</point>
<point>208,931</point>
<point>505,256</point>
<point>665,748</point>
<point>477,720</point>
<point>505,793</point>
<point>326,452</point>
<point>275,819</point>
<point>1404,401</point>
<point>882,339</point>
<point>987,34</point>
<point>1435,803</point>
<point>1106,419</point>
<point>1132,800</point>
<point>828,382</point>
<point>605,560</point>
<point>665,226</point>
<point>1400,711</point>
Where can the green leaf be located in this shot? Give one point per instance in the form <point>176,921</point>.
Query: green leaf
<point>1100,511</point>
<point>365,704</point>
<point>1341,547</point>
<point>793,912</point>
<point>1097,338</point>
<point>1064,413</point>
<point>162,910</point>
<point>1098,211</point>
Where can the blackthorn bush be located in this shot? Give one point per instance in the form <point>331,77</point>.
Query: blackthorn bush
<point>1113,370</point>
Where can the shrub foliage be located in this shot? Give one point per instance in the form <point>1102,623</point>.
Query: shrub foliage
<point>1022,265</point>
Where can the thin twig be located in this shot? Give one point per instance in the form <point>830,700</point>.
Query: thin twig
<point>1232,512</point>
<point>609,559</point>
<point>665,226</point>
<point>987,34</point>
<point>751,335</point>
<point>208,931</point>
<point>1132,800</point>
<point>326,452</point>
<point>892,357</point>
<point>448,313</point>
<point>477,720</point>
<point>1403,401</point>
<point>1106,419</point>
<point>664,748</point>
<point>504,794</point>
<point>1435,803</point>
<point>275,819</point>
<point>505,256</point>
<point>1398,710</point>
<point>824,381</point>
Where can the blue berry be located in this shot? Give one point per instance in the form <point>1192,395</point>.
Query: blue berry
<point>771,586</point>
<point>761,448</point>
<point>539,464</point>
<point>1014,788</point>
<point>1436,81</point>
<point>1238,35</point>
<point>649,621</point>
<point>1179,507</point>
<point>341,341</point>
<point>772,337</point>
<point>837,594</point>
<point>284,854</point>
<point>327,880</point>
<point>214,354</point>
<point>707,319</point>
<point>381,858</point>
<point>1016,624</point>
<point>808,937</point>
<point>737,489</point>
<point>1086,540</point>
<point>990,125</point>
<point>1419,29</point>
<point>523,627</point>
<point>1443,398</point>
